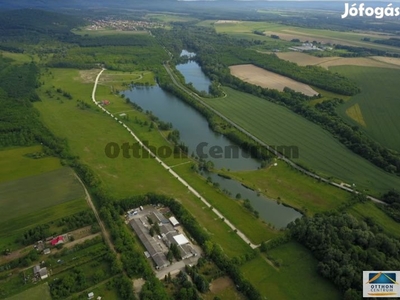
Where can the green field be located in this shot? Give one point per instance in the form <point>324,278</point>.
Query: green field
<point>15,165</point>
<point>40,292</point>
<point>378,102</point>
<point>291,32</point>
<point>19,58</point>
<point>318,150</point>
<point>369,209</point>
<point>296,278</point>
<point>89,132</point>
<point>307,194</point>
<point>12,229</point>
<point>31,194</point>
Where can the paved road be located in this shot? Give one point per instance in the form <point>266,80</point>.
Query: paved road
<point>271,149</point>
<point>165,166</point>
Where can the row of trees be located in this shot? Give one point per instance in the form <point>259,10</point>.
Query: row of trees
<point>390,41</point>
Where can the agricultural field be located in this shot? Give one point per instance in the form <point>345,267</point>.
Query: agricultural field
<point>303,59</point>
<point>388,60</point>
<point>354,112</point>
<point>318,150</point>
<point>31,194</point>
<point>287,33</point>
<point>258,76</point>
<point>120,176</point>
<point>39,292</point>
<point>307,194</point>
<point>295,278</point>
<point>15,164</point>
<point>377,104</point>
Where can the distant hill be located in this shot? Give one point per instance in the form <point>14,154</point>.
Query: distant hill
<point>38,20</point>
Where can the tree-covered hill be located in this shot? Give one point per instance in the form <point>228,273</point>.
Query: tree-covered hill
<point>34,20</point>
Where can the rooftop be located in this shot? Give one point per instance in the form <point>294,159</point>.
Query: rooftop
<point>180,239</point>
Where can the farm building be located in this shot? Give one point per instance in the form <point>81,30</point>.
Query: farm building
<point>150,244</point>
<point>56,241</point>
<point>174,221</point>
<point>180,239</point>
<point>158,217</point>
<point>105,102</point>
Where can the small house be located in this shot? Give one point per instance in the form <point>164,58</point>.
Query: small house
<point>46,251</point>
<point>40,272</point>
<point>90,295</point>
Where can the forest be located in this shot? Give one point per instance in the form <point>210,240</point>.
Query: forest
<point>345,246</point>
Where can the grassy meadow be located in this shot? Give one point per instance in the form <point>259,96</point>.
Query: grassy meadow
<point>39,292</point>
<point>91,130</point>
<point>292,187</point>
<point>295,278</point>
<point>378,105</point>
<point>318,150</point>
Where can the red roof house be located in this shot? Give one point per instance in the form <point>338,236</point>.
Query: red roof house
<point>57,240</point>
